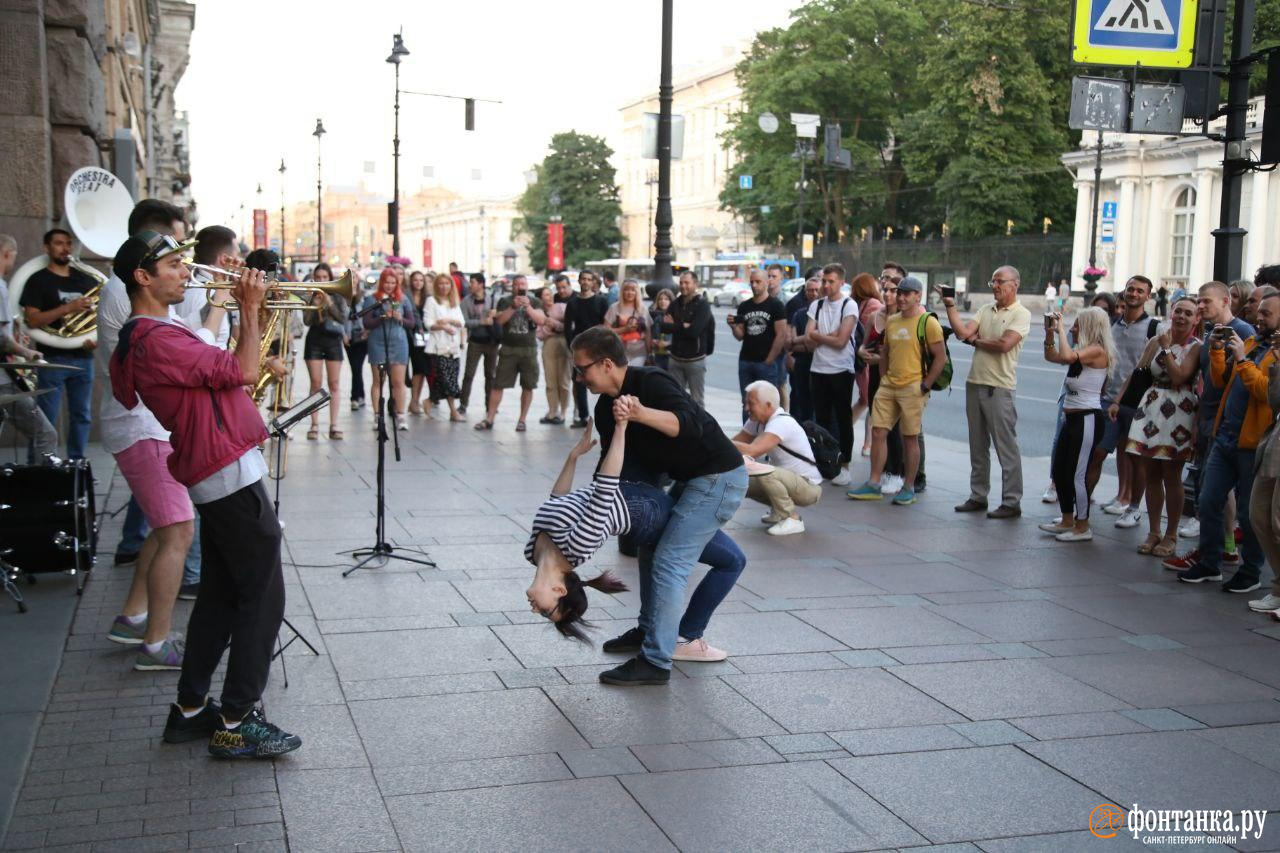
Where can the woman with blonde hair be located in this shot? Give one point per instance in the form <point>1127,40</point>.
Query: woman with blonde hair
<point>1089,362</point>
<point>446,336</point>
<point>628,318</point>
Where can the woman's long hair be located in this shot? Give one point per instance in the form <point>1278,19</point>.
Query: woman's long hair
<point>451,290</point>
<point>317,268</point>
<point>1093,326</point>
<point>864,287</point>
<point>418,295</point>
<point>573,604</point>
<point>389,284</point>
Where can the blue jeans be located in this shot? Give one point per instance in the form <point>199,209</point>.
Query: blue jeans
<point>135,531</point>
<point>750,371</point>
<point>650,509</point>
<point>702,506</point>
<point>79,390</point>
<point>1225,469</point>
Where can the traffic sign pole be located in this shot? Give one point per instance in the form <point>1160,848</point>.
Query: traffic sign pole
<point>1228,237</point>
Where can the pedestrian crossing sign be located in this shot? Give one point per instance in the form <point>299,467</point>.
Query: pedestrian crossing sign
<point>1152,33</point>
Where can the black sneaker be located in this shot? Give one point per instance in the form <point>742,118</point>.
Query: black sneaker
<point>1199,574</point>
<point>253,738</point>
<point>124,559</point>
<point>628,641</point>
<point>180,729</point>
<point>189,591</point>
<point>578,423</point>
<point>635,672</point>
<point>920,484</point>
<point>1239,583</point>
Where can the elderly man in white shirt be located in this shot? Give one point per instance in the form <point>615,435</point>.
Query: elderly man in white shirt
<point>792,478</point>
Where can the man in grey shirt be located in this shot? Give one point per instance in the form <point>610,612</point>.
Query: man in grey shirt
<point>25,414</point>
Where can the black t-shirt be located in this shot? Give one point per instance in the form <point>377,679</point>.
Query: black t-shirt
<point>45,290</point>
<point>757,319</point>
<point>700,448</point>
<point>800,324</point>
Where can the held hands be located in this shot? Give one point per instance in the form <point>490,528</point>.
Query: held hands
<point>586,442</point>
<point>626,408</point>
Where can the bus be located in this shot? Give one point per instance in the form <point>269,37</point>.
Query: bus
<point>712,275</point>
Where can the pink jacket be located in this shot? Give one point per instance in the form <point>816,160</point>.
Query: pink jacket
<point>194,390</point>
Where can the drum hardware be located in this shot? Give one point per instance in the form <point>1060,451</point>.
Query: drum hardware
<point>9,574</point>
<point>22,395</point>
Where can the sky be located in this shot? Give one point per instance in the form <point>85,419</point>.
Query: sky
<point>261,73</point>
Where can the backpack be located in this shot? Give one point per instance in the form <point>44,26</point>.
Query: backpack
<point>943,381</point>
<point>823,446</point>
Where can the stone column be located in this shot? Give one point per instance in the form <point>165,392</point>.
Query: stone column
<point>1259,225</point>
<point>1080,241</point>
<point>1152,262</point>
<point>1202,241</point>
<point>1126,216</point>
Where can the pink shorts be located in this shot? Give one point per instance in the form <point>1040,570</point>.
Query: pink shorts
<point>164,500</point>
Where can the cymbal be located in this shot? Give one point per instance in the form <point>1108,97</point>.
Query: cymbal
<point>19,395</point>
<point>41,365</point>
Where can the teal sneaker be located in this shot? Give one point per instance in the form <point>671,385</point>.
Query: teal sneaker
<point>253,738</point>
<point>868,491</point>
<point>126,633</point>
<point>905,497</point>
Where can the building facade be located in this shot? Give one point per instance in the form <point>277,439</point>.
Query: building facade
<point>706,96</point>
<point>476,234</point>
<point>89,83</point>
<point>1166,193</point>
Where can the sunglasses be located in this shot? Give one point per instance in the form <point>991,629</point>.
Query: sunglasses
<point>580,371</point>
<point>893,278</point>
<point>160,245</point>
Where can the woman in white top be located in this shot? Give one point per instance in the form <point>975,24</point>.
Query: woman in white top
<point>446,336</point>
<point>1089,363</point>
<point>628,318</point>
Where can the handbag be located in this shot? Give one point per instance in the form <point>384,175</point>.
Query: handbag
<point>1139,382</point>
<point>420,339</point>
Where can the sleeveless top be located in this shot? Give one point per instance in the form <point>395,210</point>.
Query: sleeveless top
<point>1084,387</point>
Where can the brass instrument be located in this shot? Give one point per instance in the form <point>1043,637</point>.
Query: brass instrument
<point>83,322</point>
<point>289,294</point>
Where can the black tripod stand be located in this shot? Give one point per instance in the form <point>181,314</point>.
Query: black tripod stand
<point>381,547</point>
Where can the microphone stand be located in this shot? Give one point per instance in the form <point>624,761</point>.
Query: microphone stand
<point>381,547</point>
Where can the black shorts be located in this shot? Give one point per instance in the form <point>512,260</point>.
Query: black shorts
<point>322,348</point>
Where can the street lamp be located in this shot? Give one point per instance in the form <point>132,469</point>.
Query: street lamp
<point>281,171</point>
<point>662,220</point>
<point>317,133</point>
<point>397,50</point>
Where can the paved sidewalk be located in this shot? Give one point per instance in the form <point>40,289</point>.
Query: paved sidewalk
<point>899,677</point>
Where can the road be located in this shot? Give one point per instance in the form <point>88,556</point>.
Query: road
<point>1038,385</point>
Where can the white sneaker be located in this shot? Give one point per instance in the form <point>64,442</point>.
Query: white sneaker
<point>1115,508</point>
<point>697,650</point>
<point>771,519</point>
<point>1269,603</point>
<point>1189,529</point>
<point>786,527</point>
<point>890,484</point>
<point>1129,518</point>
<point>402,423</point>
<point>355,405</point>
<point>1073,536</point>
<point>1050,495</point>
<point>844,478</point>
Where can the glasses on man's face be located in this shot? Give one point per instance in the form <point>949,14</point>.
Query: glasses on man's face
<point>996,281</point>
<point>894,279</point>
<point>580,370</point>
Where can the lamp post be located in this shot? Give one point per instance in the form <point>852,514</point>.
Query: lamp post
<point>281,170</point>
<point>317,133</point>
<point>662,220</point>
<point>397,50</point>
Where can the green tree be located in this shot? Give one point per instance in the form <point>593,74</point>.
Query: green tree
<point>578,176</point>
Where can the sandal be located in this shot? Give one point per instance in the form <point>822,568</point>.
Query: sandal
<point>484,425</point>
<point>313,433</point>
<point>1167,548</point>
<point>1148,546</point>
<point>520,427</point>
<point>335,434</point>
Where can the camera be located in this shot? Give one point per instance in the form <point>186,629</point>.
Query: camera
<point>947,292</point>
<point>1049,317</point>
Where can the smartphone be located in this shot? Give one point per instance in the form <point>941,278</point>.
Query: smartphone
<point>1208,329</point>
<point>948,292</point>
<point>1048,321</point>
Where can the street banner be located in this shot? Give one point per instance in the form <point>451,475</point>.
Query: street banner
<point>259,229</point>
<point>555,245</point>
<point>426,253</point>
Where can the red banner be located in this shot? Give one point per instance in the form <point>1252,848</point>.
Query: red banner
<point>259,229</point>
<point>555,245</point>
<point>426,253</point>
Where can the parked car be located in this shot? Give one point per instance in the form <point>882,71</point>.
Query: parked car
<point>732,294</point>
<point>791,287</point>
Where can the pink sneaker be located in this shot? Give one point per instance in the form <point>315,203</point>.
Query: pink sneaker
<point>698,650</point>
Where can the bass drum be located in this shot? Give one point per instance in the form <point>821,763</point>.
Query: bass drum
<point>48,521</point>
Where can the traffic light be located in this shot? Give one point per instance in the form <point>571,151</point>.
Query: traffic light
<point>470,121</point>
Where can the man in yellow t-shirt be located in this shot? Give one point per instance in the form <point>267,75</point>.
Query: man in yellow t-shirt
<point>906,377</point>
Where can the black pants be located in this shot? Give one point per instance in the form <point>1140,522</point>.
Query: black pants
<point>240,603</point>
<point>801,398</point>
<point>356,354</point>
<point>832,395</point>
<point>1079,435</point>
<point>580,399</point>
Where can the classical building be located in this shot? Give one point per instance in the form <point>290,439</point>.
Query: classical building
<point>477,234</point>
<point>705,96</point>
<point>89,83</point>
<point>1166,193</point>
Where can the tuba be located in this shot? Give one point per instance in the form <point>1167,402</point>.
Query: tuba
<point>97,206</point>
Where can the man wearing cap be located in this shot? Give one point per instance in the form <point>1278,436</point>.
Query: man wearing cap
<point>996,334</point>
<point>906,377</point>
<point>197,392</point>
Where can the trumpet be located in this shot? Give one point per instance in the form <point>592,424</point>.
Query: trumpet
<point>344,286</point>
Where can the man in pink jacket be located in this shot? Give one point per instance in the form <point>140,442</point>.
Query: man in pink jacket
<point>197,392</point>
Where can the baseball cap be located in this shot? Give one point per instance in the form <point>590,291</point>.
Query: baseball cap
<point>909,284</point>
<point>144,248</point>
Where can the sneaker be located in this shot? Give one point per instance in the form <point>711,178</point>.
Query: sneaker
<point>1189,529</point>
<point>634,672</point>
<point>1050,495</point>
<point>123,559</point>
<point>462,410</point>
<point>1269,603</point>
<point>1073,535</point>
<point>355,405</point>
<point>770,518</point>
<point>126,633</point>
<point>1199,574</point>
<point>1181,564</point>
<point>180,729</point>
<point>1231,559</point>
<point>920,484</point>
<point>1115,508</point>
<point>167,657</point>
<point>698,650</point>
<point>868,491</point>
<point>905,497</point>
<point>1241,584</point>
<point>628,641</point>
<point>253,738</point>
<point>787,527</point>
<point>891,484</point>
<point>1054,527</point>
<point>578,423</point>
<point>1005,511</point>
<point>189,591</point>
<point>402,423</point>
<point>844,478</point>
<point>1129,518</point>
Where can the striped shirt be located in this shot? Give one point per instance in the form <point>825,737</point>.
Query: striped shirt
<point>580,521</point>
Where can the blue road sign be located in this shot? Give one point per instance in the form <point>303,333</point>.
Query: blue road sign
<point>1108,210</point>
<point>1152,33</point>
<point>744,182</point>
<point>765,209</point>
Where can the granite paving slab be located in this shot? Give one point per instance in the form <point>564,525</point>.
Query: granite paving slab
<point>1160,679</point>
<point>999,689</point>
<point>436,651</point>
<point>886,627</point>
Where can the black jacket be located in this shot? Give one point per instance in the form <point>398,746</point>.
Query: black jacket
<point>696,340</point>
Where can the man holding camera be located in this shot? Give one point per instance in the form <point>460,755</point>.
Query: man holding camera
<point>518,352</point>
<point>996,334</point>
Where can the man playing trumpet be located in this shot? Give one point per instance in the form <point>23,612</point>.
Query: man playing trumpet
<point>196,391</point>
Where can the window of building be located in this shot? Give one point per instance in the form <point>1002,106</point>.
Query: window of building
<point>1181,234</point>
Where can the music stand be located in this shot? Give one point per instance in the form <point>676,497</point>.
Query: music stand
<point>278,429</point>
